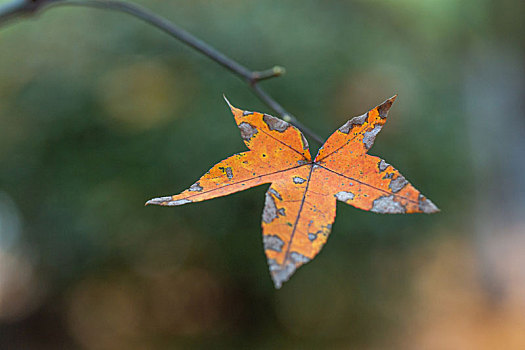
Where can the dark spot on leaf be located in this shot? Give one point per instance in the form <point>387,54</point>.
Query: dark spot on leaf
<point>272,242</point>
<point>298,258</point>
<point>247,131</point>
<point>275,193</point>
<point>383,165</point>
<point>178,202</point>
<point>398,183</point>
<point>387,205</point>
<point>360,120</point>
<point>344,196</point>
<point>229,173</point>
<point>298,180</point>
<point>370,136</point>
<point>275,123</point>
<point>196,187</point>
<point>270,209</point>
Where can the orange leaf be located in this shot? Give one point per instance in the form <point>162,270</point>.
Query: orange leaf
<point>300,204</point>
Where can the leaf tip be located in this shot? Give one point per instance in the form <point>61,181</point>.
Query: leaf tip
<point>158,201</point>
<point>234,109</point>
<point>167,201</point>
<point>227,101</point>
<point>280,273</point>
<point>433,210</point>
<point>277,283</point>
<point>427,206</point>
<point>384,107</point>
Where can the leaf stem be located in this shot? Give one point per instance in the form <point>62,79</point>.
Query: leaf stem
<point>18,8</point>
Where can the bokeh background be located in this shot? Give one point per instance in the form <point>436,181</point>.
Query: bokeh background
<point>100,112</point>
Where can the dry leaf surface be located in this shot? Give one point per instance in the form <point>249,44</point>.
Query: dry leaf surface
<point>300,204</point>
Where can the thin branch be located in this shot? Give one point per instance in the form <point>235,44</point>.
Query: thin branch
<point>18,8</point>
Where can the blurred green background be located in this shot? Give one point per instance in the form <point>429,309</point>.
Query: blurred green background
<point>100,112</point>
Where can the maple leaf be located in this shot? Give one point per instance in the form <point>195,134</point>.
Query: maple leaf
<point>300,204</point>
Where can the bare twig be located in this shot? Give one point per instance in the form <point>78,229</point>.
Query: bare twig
<point>18,8</point>
<point>276,71</point>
